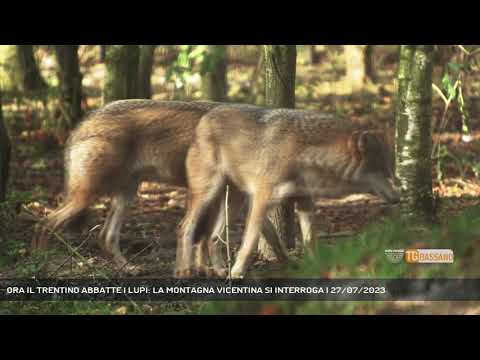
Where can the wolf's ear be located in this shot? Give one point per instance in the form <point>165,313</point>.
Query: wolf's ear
<point>368,142</point>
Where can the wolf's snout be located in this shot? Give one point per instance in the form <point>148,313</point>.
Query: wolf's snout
<point>393,197</point>
<point>385,189</point>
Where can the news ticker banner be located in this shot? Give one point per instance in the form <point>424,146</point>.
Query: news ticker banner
<point>261,289</point>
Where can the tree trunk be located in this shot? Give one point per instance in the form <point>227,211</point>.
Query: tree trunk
<point>145,71</point>
<point>5,151</point>
<point>369,64</point>
<point>413,131</point>
<point>280,72</point>
<point>32,81</point>
<point>70,80</point>
<point>103,53</point>
<point>122,72</point>
<point>214,74</point>
<point>314,55</point>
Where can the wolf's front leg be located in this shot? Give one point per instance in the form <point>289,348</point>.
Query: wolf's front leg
<point>252,234</point>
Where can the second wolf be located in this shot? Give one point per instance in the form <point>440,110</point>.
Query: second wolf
<point>273,154</point>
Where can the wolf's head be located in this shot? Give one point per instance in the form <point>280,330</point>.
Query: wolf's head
<point>375,172</point>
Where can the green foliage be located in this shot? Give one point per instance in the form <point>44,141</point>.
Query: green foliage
<point>192,60</point>
<point>454,85</point>
<point>362,256</point>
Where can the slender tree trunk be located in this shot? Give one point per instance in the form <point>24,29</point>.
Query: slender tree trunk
<point>369,64</point>
<point>314,55</point>
<point>70,79</point>
<point>103,53</point>
<point>214,77</point>
<point>413,131</point>
<point>145,71</point>
<point>122,72</point>
<point>280,72</point>
<point>5,151</point>
<point>32,81</point>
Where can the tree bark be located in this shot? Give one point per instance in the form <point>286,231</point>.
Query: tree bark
<point>214,75</point>
<point>5,152</point>
<point>122,72</point>
<point>413,131</point>
<point>369,64</point>
<point>314,55</point>
<point>145,71</point>
<point>70,80</point>
<point>280,72</point>
<point>103,53</point>
<point>32,81</point>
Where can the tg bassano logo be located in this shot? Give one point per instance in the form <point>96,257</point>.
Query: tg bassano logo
<point>420,256</point>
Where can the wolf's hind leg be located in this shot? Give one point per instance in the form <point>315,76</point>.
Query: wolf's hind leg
<point>113,226</point>
<point>305,212</point>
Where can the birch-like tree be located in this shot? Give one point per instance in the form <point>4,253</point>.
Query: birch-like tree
<point>413,131</point>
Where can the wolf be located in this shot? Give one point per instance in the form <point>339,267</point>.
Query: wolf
<point>271,155</point>
<point>112,151</point>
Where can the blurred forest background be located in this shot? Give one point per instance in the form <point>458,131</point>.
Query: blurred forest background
<point>45,90</point>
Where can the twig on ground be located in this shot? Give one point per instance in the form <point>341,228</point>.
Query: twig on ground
<point>227,238</point>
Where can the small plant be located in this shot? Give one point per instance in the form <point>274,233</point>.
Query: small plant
<point>452,91</point>
<point>192,61</point>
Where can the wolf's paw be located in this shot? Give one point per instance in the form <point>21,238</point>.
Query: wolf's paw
<point>132,270</point>
<point>220,272</point>
<point>237,273</point>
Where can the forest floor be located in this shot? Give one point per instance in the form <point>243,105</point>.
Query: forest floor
<point>148,235</point>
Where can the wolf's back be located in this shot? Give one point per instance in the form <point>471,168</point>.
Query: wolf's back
<point>109,140</point>
<point>307,127</point>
